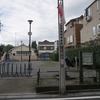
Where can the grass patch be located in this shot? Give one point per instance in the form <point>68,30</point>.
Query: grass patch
<point>50,64</point>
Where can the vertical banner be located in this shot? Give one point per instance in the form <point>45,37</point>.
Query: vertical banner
<point>61,21</point>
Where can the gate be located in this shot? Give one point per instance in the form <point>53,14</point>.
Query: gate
<point>15,69</point>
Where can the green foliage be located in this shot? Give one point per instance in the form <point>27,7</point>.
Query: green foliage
<point>6,48</point>
<point>50,64</point>
<point>54,56</point>
<point>2,47</point>
<point>34,45</point>
<point>93,48</point>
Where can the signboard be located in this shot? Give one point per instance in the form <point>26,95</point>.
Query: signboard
<point>89,73</point>
<point>61,45</point>
<point>87,58</point>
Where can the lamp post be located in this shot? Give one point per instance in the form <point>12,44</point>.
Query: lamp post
<point>21,51</point>
<point>29,33</point>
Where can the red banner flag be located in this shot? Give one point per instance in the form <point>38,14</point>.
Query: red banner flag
<point>60,10</point>
<point>61,14</point>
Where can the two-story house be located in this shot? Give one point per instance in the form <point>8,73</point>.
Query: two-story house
<point>72,32</point>
<point>91,22</point>
<point>45,48</point>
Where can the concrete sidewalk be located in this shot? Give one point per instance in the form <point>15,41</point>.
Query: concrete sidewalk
<point>17,85</point>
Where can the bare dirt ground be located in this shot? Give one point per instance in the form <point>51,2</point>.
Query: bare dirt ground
<point>25,84</point>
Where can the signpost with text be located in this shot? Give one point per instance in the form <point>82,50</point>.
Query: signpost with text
<point>62,86</point>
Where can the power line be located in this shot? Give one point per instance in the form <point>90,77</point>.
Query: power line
<point>16,34</point>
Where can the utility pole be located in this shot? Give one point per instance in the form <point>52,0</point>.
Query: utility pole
<point>62,85</point>
<point>29,33</point>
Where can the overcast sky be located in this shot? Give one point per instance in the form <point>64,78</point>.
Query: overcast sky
<point>14,16</point>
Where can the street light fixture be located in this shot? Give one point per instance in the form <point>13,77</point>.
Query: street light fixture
<point>29,33</point>
<point>21,51</point>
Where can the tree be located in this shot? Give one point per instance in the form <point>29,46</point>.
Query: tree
<point>34,46</point>
<point>2,47</point>
<point>8,47</point>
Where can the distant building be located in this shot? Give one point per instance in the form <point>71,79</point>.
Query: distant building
<point>22,51</point>
<point>72,32</point>
<point>91,22</point>
<point>45,48</point>
<point>56,44</point>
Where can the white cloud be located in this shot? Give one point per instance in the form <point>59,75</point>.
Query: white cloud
<point>14,15</point>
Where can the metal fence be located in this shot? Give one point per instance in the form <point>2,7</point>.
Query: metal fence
<point>13,69</point>
<point>49,78</point>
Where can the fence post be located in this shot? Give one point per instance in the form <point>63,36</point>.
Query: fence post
<point>25,69</point>
<point>3,69</point>
<point>12,69</point>
<point>21,69</point>
<point>94,66</point>
<point>16,70</point>
<point>7,69</point>
<point>38,77</point>
<point>0,69</point>
<point>81,67</point>
<point>99,75</point>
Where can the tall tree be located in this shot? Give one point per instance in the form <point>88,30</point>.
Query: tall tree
<point>34,45</point>
<point>8,47</point>
<point>2,48</point>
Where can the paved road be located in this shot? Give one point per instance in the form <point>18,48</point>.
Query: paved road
<point>47,97</point>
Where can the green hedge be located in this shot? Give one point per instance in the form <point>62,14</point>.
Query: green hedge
<point>93,48</point>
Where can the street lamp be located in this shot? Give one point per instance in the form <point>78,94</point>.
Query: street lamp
<point>21,51</point>
<point>29,33</point>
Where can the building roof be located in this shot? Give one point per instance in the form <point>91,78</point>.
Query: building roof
<point>45,42</point>
<point>19,46</point>
<point>91,4</point>
<point>75,19</point>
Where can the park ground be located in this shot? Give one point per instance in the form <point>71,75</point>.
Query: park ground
<point>27,84</point>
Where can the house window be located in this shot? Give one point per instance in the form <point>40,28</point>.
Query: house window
<point>67,40</point>
<point>94,30</point>
<point>41,48</point>
<point>51,48</point>
<point>71,38</point>
<point>44,48</point>
<point>98,28</point>
<point>97,4</point>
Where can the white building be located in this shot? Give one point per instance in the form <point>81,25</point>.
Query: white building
<point>45,48</point>
<point>22,52</point>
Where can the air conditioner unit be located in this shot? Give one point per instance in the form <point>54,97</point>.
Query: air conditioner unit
<point>88,18</point>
